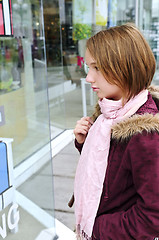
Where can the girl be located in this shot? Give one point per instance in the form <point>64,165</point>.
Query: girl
<point>117,179</point>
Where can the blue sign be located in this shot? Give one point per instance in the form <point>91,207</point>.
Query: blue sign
<point>4,175</point>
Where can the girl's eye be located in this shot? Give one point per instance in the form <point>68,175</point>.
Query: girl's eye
<point>96,68</point>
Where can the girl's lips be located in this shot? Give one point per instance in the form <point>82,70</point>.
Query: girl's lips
<point>95,89</point>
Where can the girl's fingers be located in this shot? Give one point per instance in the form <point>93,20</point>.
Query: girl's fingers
<point>85,121</point>
<point>82,127</point>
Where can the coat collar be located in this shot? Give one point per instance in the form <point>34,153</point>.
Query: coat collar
<point>146,119</point>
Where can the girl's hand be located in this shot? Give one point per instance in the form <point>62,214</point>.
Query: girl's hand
<point>81,129</point>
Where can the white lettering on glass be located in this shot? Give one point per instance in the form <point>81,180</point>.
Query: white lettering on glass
<point>3,230</point>
<point>12,220</point>
<point>15,218</point>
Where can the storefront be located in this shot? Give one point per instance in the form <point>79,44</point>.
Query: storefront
<point>42,46</point>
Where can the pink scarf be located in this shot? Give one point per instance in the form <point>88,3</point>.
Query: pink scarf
<point>92,164</point>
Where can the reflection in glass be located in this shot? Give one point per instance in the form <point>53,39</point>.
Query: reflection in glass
<point>23,83</point>
<point>24,98</point>
<point>149,22</point>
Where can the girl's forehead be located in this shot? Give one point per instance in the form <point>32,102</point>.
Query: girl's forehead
<point>88,58</point>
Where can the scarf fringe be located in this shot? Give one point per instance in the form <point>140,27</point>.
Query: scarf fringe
<point>80,234</point>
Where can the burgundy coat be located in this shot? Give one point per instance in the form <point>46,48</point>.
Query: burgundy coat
<point>129,206</point>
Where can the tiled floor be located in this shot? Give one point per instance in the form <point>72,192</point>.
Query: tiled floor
<point>64,171</point>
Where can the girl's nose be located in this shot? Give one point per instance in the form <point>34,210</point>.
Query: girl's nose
<point>89,78</point>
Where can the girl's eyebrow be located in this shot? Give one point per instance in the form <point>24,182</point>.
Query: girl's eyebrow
<point>92,63</point>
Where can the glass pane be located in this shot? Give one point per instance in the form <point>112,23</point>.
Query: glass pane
<point>23,85</point>
<point>56,75</point>
<point>149,23</point>
<point>25,126</point>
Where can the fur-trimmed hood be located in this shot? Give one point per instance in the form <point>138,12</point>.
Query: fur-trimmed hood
<point>138,123</point>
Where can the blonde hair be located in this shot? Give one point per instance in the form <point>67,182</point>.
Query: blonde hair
<point>124,58</point>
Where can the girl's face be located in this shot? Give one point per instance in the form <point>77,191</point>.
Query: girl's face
<point>99,83</point>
